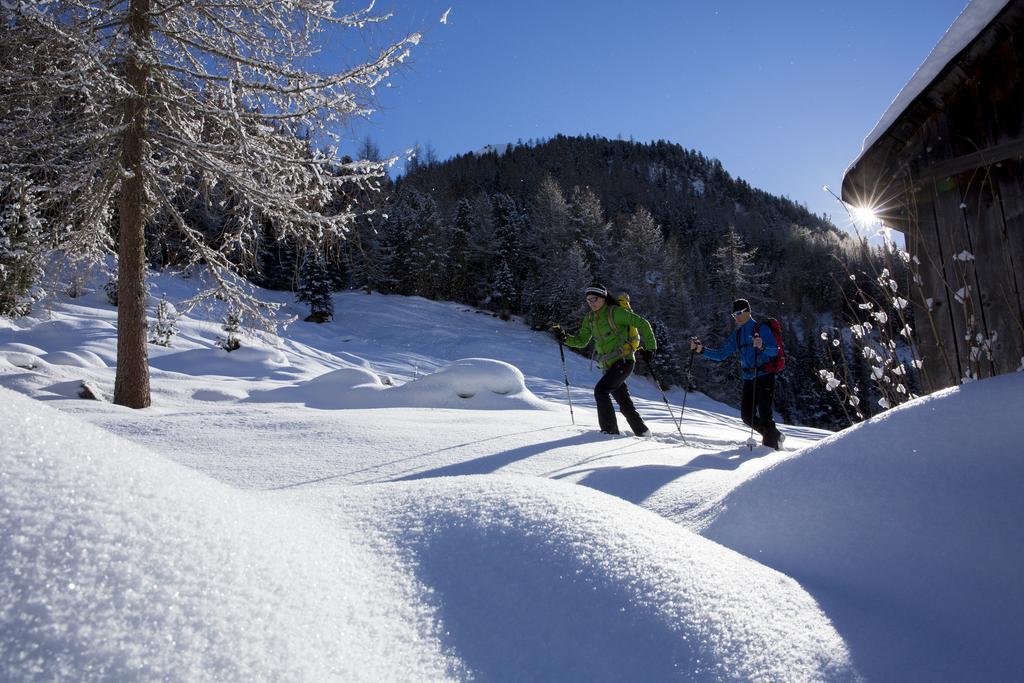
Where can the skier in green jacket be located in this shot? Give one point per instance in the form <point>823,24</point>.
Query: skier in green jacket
<point>609,324</point>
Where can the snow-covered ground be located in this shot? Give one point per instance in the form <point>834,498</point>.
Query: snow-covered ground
<point>401,495</point>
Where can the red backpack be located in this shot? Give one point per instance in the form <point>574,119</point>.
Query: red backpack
<point>777,364</point>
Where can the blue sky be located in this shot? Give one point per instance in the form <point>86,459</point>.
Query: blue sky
<point>783,93</point>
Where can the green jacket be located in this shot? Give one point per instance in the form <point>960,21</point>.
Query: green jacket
<point>611,342</point>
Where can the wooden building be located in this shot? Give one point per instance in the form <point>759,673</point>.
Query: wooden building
<point>944,167</point>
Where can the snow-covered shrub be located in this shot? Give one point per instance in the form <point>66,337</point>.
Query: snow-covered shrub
<point>166,325</point>
<point>876,351</point>
<point>110,289</point>
<point>232,325</point>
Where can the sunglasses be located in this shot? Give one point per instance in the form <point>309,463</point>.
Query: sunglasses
<point>737,314</point>
<point>592,299</point>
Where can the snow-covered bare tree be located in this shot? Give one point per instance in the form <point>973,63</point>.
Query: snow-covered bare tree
<point>641,263</point>
<point>556,297</point>
<point>737,273</point>
<point>549,233</point>
<point>590,228</point>
<point>143,105</point>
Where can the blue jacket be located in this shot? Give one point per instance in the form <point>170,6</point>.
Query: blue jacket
<point>746,348</point>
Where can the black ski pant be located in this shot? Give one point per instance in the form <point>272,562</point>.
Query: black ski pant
<point>756,408</point>
<point>614,384</point>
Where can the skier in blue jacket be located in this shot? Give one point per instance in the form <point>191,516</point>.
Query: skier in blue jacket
<point>754,351</point>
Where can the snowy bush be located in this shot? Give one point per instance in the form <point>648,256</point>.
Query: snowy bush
<point>883,356</point>
<point>110,289</point>
<point>233,326</point>
<point>166,325</point>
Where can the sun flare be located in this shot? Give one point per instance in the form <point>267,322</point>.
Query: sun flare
<point>864,215</point>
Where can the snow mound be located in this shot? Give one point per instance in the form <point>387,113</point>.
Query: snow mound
<point>81,359</point>
<point>345,379</point>
<point>917,518</point>
<point>478,383</point>
<point>18,347</point>
<point>219,394</point>
<point>471,383</point>
<point>118,565</point>
<point>252,361</point>
<point>21,359</point>
<point>521,570</point>
<point>59,335</point>
<point>351,387</point>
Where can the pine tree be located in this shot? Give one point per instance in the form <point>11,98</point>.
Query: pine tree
<point>590,229</point>
<point>549,232</point>
<point>20,246</point>
<point>232,324</point>
<point>278,258</point>
<point>166,325</point>
<point>482,249</point>
<point>641,264</point>
<point>509,223</point>
<point>428,254</point>
<point>315,288</point>
<point>410,249</point>
<point>503,290</point>
<point>556,297</point>
<point>459,276</point>
<point>170,98</point>
<point>736,274</point>
<point>110,289</point>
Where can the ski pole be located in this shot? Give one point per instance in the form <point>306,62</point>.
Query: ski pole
<point>753,401</point>
<point>664,399</point>
<point>686,389</point>
<point>565,376</point>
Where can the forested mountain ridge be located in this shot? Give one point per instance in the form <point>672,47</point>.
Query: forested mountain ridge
<point>680,187</point>
<point>691,197</point>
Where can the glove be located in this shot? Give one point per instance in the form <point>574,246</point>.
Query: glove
<point>560,334</point>
<point>647,355</point>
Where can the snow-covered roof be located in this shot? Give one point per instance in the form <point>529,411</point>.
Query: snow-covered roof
<point>975,17</point>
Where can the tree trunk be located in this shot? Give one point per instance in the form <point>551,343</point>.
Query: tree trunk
<point>131,384</point>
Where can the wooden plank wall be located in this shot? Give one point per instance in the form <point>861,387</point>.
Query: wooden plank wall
<point>978,300</point>
<point>938,318</point>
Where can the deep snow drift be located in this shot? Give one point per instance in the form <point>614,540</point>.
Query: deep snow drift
<point>119,565</point>
<point>916,514</point>
<point>298,511</point>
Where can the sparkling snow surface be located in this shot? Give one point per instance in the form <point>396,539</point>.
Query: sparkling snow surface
<point>118,564</point>
<point>400,495</point>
